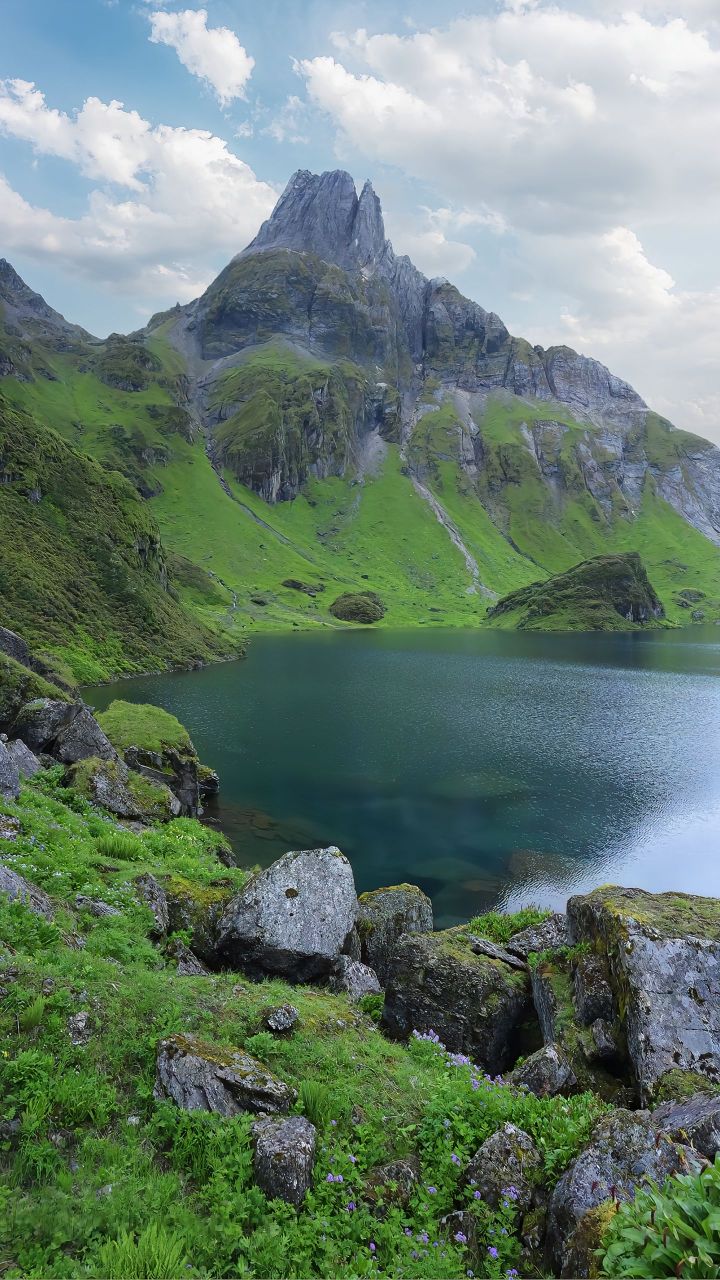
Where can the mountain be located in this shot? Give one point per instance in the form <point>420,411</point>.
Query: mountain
<point>607,593</point>
<point>325,415</point>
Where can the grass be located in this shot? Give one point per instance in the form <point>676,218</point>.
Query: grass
<point>138,724</point>
<point>101,1179</point>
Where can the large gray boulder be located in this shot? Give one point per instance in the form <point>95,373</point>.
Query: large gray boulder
<point>19,890</point>
<point>695,1121</point>
<point>82,739</point>
<point>294,918</point>
<point>354,978</point>
<point>26,762</point>
<point>438,982</point>
<point>383,916</point>
<point>550,935</point>
<point>204,1077</point>
<point>625,1151</point>
<point>284,1157</point>
<point>506,1167</point>
<point>39,722</point>
<point>9,775</point>
<point>663,954</point>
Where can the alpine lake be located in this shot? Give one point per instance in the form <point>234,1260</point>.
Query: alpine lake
<point>494,769</point>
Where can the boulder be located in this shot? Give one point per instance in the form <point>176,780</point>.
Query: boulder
<point>26,763</point>
<point>383,916</point>
<point>293,918</point>
<point>110,784</point>
<point>154,896</point>
<point>204,1077</point>
<point>354,978</point>
<point>436,982</point>
<point>358,606</point>
<point>83,738</point>
<point>19,890</point>
<point>196,909</point>
<point>506,1167</point>
<point>282,1020</point>
<point>625,1151</point>
<point>551,935</point>
<point>9,775</point>
<point>395,1181</point>
<point>188,965</point>
<point>175,769</point>
<point>545,1073</point>
<point>284,1157</point>
<point>663,953</point>
<point>39,722</point>
<point>592,995</point>
<point>695,1121</point>
<point>95,906</point>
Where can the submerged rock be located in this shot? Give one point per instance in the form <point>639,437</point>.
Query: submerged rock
<point>284,1157</point>
<point>383,916</point>
<point>293,918</point>
<point>474,1003</point>
<point>203,1077</point>
<point>663,952</point>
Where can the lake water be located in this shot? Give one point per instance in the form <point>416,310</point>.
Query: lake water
<point>491,768</point>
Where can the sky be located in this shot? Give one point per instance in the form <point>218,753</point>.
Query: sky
<point>558,161</point>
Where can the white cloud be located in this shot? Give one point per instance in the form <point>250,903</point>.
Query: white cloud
<point>585,135</point>
<point>290,123</point>
<point>171,203</point>
<point>214,54</point>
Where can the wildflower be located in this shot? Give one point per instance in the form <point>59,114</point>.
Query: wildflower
<point>511,1274</point>
<point>460,1237</point>
<point>432,1191</point>
<point>455,1159</point>
<point>350,1207</point>
<point>372,1246</point>
<point>511,1193</point>
<point>424,1237</point>
<point>330,1177</point>
<point>477,1195</point>
<point>492,1251</point>
<point>408,1231</point>
<point>415,1254</point>
<point>352,1159</point>
<point>334,1123</point>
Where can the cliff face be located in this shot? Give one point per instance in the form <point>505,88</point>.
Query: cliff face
<point>351,322</point>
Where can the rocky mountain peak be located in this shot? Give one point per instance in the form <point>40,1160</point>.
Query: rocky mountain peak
<point>22,306</point>
<point>322,214</point>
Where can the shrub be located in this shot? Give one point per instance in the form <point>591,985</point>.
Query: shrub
<point>672,1230</point>
<point>500,928</point>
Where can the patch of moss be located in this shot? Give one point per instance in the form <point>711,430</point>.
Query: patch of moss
<point>137,724</point>
<point>671,915</point>
<point>677,1084</point>
<point>360,606</point>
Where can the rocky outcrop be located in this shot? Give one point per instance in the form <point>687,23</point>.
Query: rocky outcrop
<point>694,1121</point>
<point>546,1073</point>
<point>203,1077</point>
<point>82,739</point>
<point>475,1004</point>
<point>154,896</point>
<point>24,759</point>
<point>284,1157</point>
<point>550,935</point>
<point>39,722</point>
<point>110,784</point>
<point>383,916</point>
<point>294,918</point>
<point>505,1167</point>
<point>663,954</point>
<point>625,1151</point>
<point>17,889</point>
<point>9,775</point>
<point>607,593</point>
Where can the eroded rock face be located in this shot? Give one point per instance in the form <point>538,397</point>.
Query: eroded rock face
<point>9,775</point>
<point>354,978</point>
<point>546,1073</point>
<point>695,1121</point>
<point>203,1077</point>
<point>19,890</point>
<point>592,995</point>
<point>505,1167</point>
<point>83,738</point>
<point>39,722</point>
<point>26,762</point>
<point>384,915</point>
<point>284,1157</point>
<point>294,918</point>
<point>548,936</point>
<point>436,982</point>
<point>154,897</point>
<point>110,784</point>
<point>664,960</point>
<point>625,1151</point>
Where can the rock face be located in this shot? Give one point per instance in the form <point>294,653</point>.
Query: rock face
<point>154,897</point>
<point>83,738</point>
<point>548,936</point>
<point>695,1121</point>
<point>663,953</point>
<point>284,1157</point>
<point>9,775</point>
<point>383,916</point>
<point>294,918</point>
<point>202,1077</point>
<point>39,722</point>
<point>505,1167</point>
<point>605,593</point>
<point>26,762</point>
<point>354,978</point>
<point>19,890</point>
<point>436,982</point>
<point>110,784</point>
<point>624,1152</point>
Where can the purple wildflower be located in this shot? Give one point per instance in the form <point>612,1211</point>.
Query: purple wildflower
<point>455,1159</point>
<point>352,1159</point>
<point>492,1251</point>
<point>371,1246</point>
<point>424,1237</point>
<point>432,1191</point>
<point>477,1195</point>
<point>460,1237</point>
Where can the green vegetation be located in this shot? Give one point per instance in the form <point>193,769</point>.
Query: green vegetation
<point>501,928</point>
<point>138,724</point>
<point>668,1231</point>
<point>97,1178</point>
<point>358,606</point>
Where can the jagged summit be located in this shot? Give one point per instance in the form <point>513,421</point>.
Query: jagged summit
<point>29,312</point>
<point>323,214</point>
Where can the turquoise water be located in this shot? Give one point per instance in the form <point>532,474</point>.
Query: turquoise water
<point>493,769</point>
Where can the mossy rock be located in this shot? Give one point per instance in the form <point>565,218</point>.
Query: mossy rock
<point>112,785</point>
<point>607,593</point>
<point>19,686</point>
<point>139,724</point>
<point>360,606</point>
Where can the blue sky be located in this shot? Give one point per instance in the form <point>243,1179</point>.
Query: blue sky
<point>558,161</point>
